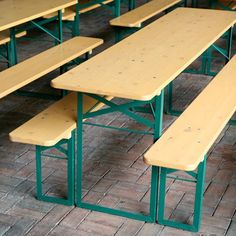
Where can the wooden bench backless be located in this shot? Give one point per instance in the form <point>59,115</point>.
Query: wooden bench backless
<point>137,16</point>
<point>185,144</point>
<point>33,68</point>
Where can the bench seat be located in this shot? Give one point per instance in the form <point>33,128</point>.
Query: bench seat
<point>137,16</point>
<point>185,144</point>
<point>33,68</point>
<point>53,124</point>
<point>50,129</point>
<point>5,36</point>
<point>69,13</point>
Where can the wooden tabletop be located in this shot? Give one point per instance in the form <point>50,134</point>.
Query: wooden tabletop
<point>140,66</point>
<point>16,12</point>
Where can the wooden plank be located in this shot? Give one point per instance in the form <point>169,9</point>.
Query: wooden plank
<point>189,138</point>
<point>137,16</point>
<point>69,13</point>
<point>45,62</point>
<point>18,12</point>
<point>140,66</point>
<point>53,124</point>
<point>5,36</point>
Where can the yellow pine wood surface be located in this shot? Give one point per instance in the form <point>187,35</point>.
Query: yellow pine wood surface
<point>21,11</point>
<point>53,124</point>
<point>140,14</point>
<point>189,138</point>
<point>140,66</point>
<point>69,13</point>
<point>45,62</point>
<point>5,36</point>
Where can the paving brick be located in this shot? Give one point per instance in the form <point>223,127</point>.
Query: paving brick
<point>230,194</point>
<point>21,227</point>
<point>104,185</point>
<point>176,232</point>
<point>105,219</point>
<point>225,209</point>
<point>126,190</point>
<point>223,176</point>
<point>40,230</point>
<point>232,229</point>
<point>150,230</point>
<point>74,218</point>
<point>57,214</point>
<point>4,227</point>
<point>64,231</point>
<point>95,228</point>
<point>130,227</point>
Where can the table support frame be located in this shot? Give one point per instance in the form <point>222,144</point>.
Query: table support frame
<point>125,109</point>
<point>206,69</point>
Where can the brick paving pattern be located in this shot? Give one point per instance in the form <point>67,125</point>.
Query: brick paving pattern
<point>114,173</point>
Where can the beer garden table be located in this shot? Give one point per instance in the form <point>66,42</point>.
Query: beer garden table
<point>138,69</point>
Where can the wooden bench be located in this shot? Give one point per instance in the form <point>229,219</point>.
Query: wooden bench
<point>70,12</point>
<point>135,17</point>
<point>50,129</point>
<point>33,68</point>
<point>5,40</point>
<point>185,144</point>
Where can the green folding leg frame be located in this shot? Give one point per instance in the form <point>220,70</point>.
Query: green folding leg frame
<point>69,156</point>
<point>205,69</point>
<point>125,109</point>
<point>197,215</point>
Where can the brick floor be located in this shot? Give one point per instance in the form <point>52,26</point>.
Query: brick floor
<point>114,172</point>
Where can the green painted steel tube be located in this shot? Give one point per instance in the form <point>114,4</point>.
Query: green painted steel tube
<point>71,170</point>
<point>79,148</point>
<point>38,173</point>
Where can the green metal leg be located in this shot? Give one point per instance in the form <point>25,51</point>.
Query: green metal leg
<point>9,62</point>
<point>117,8</point>
<point>70,174</point>
<point>131,4</point>
<point>76,22</point>
<point>169,99</point>
<point>159,100</point>
<point>229,52</point>
<point>194,3</point>
<point>13,46</point>
<point>197,203</point>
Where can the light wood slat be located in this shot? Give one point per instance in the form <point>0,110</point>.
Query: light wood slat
<point>5,36</point>
<point>21,11</point>
<point>140,66</point>
<point>137,16</point>
<point>189,138</point>
<point>69,13</point>
<point>45,62</point>
<point>53,124</point>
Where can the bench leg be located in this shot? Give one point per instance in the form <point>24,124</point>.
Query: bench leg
<point>70,172</point>
<point>200,176</point>
<point>76,22</point>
